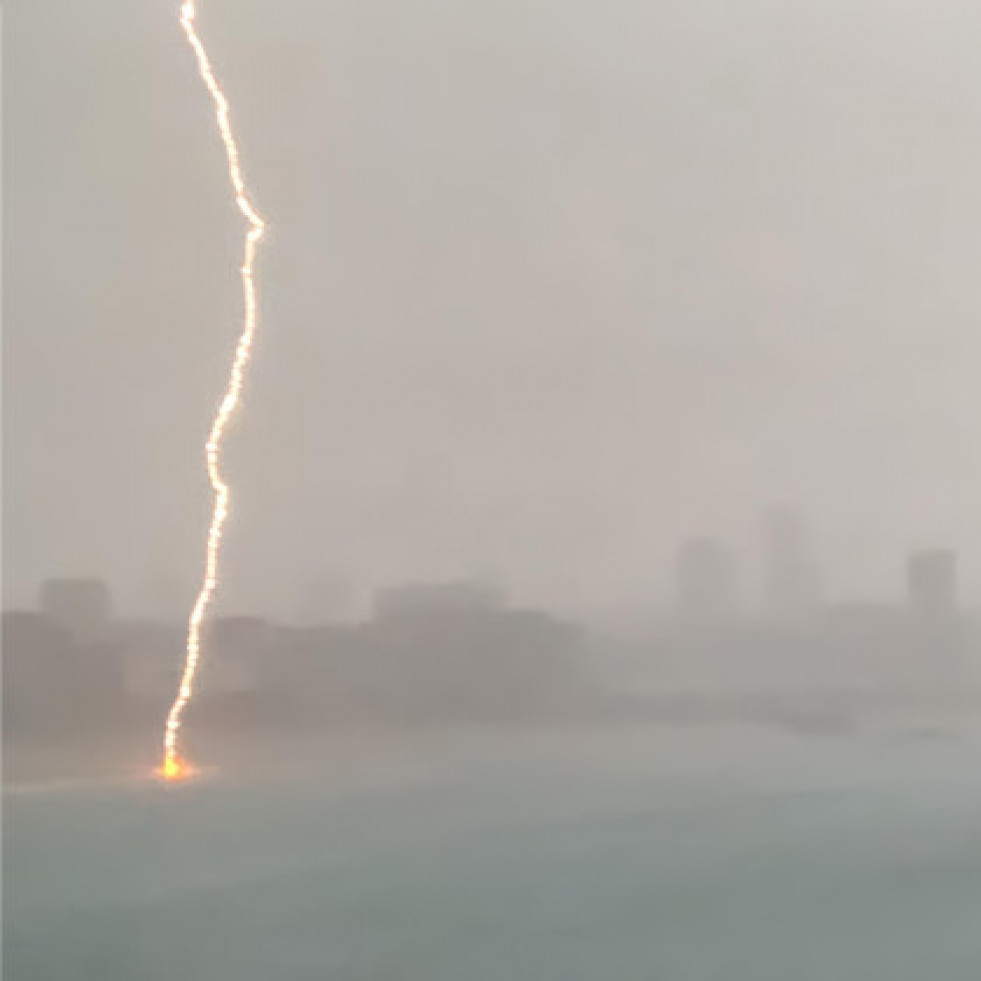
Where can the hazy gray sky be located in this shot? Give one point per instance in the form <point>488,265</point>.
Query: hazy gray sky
<point>549,284</point>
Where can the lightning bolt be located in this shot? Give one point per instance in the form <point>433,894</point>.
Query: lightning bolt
<point>173,766</point>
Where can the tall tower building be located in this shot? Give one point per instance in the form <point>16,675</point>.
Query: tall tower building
<point>931,583</point>
<point>705,575</point>
<point>791,579</point>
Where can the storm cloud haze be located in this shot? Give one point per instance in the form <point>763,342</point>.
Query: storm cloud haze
<point>548,286</point>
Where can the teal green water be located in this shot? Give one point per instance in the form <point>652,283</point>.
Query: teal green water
<point>836,864</point>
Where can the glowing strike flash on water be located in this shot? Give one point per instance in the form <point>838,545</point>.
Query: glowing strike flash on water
<point>174,769</point>
<point>173,766</point>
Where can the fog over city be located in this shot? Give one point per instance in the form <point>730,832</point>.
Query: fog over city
<point>601,592</point>
<point>548,287</point>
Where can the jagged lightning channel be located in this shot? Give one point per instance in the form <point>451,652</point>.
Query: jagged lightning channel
<point>174,766</point>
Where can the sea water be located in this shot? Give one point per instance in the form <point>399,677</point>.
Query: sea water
<point>605,856</point>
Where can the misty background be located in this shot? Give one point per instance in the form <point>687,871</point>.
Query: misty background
<point>575,316</point>
<point>548,285</point>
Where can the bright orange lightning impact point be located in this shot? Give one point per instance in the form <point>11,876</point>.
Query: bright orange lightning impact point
<point>173,766</point>
<point>174,769</point>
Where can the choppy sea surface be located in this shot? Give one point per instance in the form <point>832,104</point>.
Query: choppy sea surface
<point>602,856</point>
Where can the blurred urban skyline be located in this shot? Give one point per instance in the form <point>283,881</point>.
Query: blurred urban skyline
<point>547,285</point>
